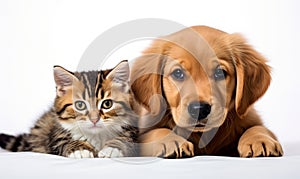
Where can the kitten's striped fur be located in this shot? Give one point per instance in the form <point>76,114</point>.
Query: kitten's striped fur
<point>91,116</point>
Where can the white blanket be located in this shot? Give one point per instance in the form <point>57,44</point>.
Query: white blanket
<point>35,165</point>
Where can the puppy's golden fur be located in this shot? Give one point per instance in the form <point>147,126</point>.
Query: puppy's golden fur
<point>232,128</point>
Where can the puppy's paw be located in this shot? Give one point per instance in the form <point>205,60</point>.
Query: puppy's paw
<point>110,152</point>
<point>259,144</point>
<point>81,154</point>
<point>177,149</point>
<point>167,145</point>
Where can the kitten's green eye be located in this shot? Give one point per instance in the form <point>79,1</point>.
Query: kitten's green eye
<point>80,105</point>
<point>106,104</point>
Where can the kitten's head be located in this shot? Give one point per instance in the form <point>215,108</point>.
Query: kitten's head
<point>93,101</point>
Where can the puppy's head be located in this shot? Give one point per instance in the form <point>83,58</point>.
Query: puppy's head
<point>200,74</point>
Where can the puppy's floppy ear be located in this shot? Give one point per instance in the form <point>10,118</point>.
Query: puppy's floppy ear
<point>252,73</point>
<point>145,80</point>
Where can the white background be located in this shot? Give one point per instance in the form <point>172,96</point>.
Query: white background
<point>35,35</point>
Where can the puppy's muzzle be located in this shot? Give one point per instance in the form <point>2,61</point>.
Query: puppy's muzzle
<point>199,110</point>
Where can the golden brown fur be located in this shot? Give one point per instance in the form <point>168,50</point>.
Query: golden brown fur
<point>233,128</point>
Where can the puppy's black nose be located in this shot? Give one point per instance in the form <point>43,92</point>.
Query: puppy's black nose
<point>199,110</point>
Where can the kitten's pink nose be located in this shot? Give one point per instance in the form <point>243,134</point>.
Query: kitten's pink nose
<point>94,120</point>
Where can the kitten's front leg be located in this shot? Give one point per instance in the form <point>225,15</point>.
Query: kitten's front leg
<point>118,147</point>
<point>110,152</point>
<point>81,154</point>
<point>79,149</point>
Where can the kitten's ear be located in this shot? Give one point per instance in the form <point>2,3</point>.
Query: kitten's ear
<point>63,80</point>
<point>120,74</point>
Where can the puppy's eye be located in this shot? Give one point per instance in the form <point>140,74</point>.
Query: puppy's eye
<point>106,104</point>
<point>178,75</point>
<point>220,74</point>
<point>80,105</point>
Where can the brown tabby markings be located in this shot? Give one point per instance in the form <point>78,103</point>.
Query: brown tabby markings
<point>63,130</point>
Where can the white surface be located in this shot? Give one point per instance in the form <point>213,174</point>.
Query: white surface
<point>34,165</point>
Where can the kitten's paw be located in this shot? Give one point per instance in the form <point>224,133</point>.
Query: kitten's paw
<point>81,154</point>
<point>110,152</point>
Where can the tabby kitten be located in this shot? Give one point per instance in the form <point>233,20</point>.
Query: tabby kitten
<point>91,117</point>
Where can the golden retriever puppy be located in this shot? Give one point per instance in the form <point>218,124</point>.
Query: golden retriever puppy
<point>198,87</point>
